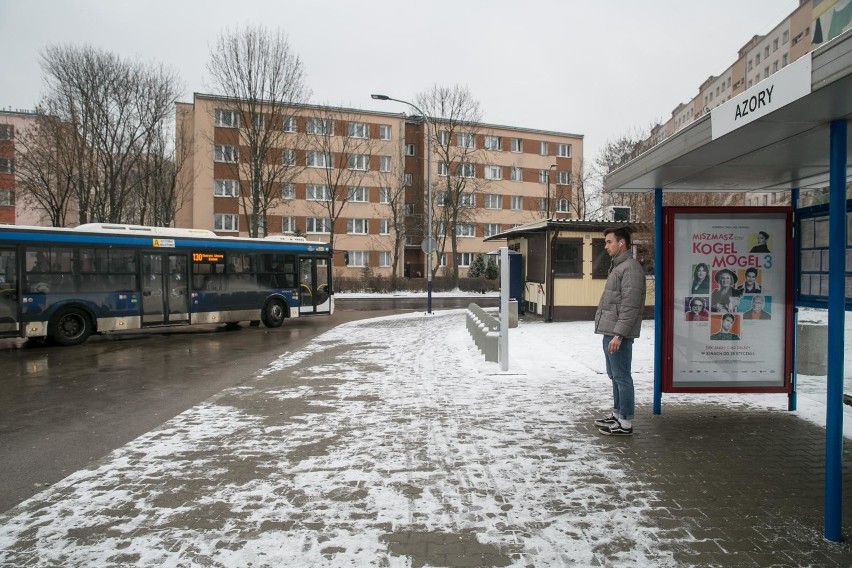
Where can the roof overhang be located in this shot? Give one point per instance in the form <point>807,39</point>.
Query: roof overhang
<point>544,225</point>
<point>785,149</point>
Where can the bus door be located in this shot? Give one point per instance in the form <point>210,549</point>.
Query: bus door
<point>8,291</point>
<point>164,289</point>
<point>314,297</point>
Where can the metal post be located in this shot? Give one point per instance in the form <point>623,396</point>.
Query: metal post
<point>836,324</point>
<point>658,300</point>
<point>504,309</point>
<point>429,239</point>
<point>792,397</point>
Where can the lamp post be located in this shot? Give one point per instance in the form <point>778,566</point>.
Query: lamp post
<point>429,244</point>
<point>547,203</point>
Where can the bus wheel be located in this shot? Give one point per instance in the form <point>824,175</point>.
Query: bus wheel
<point>70,326</point>
<point>273,315</point>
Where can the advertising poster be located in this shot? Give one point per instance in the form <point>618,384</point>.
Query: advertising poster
<point>729,312</point>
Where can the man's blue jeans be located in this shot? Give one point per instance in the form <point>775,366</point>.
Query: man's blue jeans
<point>618,368</point>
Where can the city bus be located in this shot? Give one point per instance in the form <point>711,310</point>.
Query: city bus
<point>66,284</point>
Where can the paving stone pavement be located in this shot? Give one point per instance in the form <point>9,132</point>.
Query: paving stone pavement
<point>386,444</point>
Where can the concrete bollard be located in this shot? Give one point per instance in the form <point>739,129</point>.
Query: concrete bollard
<point>812,349</point>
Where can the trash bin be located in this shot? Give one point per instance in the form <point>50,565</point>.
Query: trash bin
<point>513,313</point>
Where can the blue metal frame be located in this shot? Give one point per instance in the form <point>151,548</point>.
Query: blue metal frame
<point>836,329</point>
<point>658,300</point>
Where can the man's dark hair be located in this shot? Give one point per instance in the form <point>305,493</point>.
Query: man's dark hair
<point>751,270</point>
<point>620,233</point>
<point>729,316</point>
<point>765,234</point>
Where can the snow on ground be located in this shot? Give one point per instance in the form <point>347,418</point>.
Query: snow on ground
<point>379,430</point>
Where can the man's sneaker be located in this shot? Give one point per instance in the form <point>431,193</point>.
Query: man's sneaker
<point>608,421</point>
<point>616,430</point>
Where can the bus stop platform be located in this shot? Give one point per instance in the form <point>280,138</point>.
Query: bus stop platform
<point>392,442</point>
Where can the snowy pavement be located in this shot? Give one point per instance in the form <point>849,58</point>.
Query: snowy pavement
<point>391,442</point>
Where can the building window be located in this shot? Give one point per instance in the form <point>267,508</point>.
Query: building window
<point>384,258</point>
<point>467,200</point>
<point>493,143</point>
<point>384,195</point>
<point>443,170</point>
<point>600,259</point>
<point>766,52</point>
<point>358,194</point>
<point>563,150</point>
<point>443,138</point>
<point>409,180</point>
<point>226,118</point>
<point>784,60</point>
<point>384,132</point>
<point>563,205</point>
<point>409,209</point>
<point>493,172</point>
<point>359,162</point>
<point>319,160</point>
<point>757,58</point>
<point>409,149</point>
<point>384,163</point>
<point>516,174</point>
<point>356,226</point>
<point>493,201</point>
<point>543,176</point>
<point>257,121</point>
<point>543,148</point>
<point>288,224</point>
<point>7,132</point>
<point>542,204</point>
<point>359,130</point>
<point>321,126</point>
<point>775,44</point>
<point>223,153</point>
<point>785,37</point>
<point>7,166</point>
<point>288,191</point>
<point>442,259</point>
<point>226,223</point>
<point>563,178</point>
<point>384,226</point>
<point>464,259</point>
<point>517,145</point>
<point>491,229</point>
<point>465,230</point>
<point>465,140</point>
<point>359,258</point>
<point>467,170</point>
<point>568,258</point>
<point>225,187</point>
<point>318,225</point>
<point>517,203</point>
<point>289,124</point>
<point>317,192</point>
<point>7,198</point>
<point>441,198</point>
<point>288,157</point>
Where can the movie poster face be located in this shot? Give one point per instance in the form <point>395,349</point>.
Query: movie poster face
<point>729,295</point>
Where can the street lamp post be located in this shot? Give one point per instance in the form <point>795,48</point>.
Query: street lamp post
<point>547,203</point>
<point>430,243</point>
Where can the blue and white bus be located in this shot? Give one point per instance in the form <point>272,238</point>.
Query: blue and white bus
<point>66,284</point>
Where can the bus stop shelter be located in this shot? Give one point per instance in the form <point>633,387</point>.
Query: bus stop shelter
<point>786,133</point>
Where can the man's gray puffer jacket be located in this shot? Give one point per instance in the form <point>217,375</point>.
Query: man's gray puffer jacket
<point>623,300</point>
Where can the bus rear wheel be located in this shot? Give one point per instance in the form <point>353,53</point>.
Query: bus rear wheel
<point>273,314</point>
<point>70,326</point>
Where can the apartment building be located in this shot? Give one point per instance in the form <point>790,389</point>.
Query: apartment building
<point>12,123</point>
<point>380,160</point>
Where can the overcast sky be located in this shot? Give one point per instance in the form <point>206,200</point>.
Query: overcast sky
<point>600,69</point>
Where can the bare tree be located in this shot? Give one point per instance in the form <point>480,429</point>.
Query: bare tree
<point>457,118</point>
<point>45,168</point>
<point>393,184</point>
<point>582,199</point>
<point>260,79</point>
<point>115,109</point>
<point>163,190</point>
<point>339,150</point>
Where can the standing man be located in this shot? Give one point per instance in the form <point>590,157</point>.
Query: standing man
<point>619,319</point>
